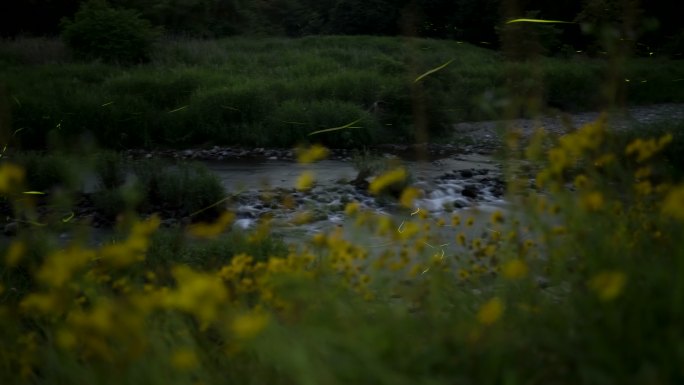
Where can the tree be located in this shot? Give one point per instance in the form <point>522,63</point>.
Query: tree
<point>99,31</point>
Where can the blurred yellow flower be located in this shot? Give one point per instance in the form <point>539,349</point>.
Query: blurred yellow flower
<point>497,217</point>
<point>14,253</point>
<point>592,201</point>
<point>408,196</point>
<point>212,230</point>
<point>41,303</point>
<point>608,284</point>
<point>673,204</point>
<point>200,294</point>
<point>59,267</point>
<point>305,181</point>
<point>491,311</point>
<point>515,269</point>
<point>461,239</point>
<point>644,149</point>
<point>351,208</point>
<point>312,154</point>
<point>184,359</point>
<point>249,325</point>
<point>11,176</point>
<point>581,181</point>
<point>387,179</point>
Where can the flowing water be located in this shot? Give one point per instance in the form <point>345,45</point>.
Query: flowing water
<point>454,182</point>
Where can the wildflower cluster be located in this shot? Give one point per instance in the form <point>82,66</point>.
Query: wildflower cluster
<point>575,266</point>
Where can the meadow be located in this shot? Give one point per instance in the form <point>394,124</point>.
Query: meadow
<point>576,281</point>
<point>275,91</point>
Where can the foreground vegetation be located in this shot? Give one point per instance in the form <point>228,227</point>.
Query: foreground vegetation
<point>578,284</point>
<point>275,92</point>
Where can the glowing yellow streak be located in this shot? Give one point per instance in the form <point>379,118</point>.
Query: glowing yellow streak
<point>400,229</point>
<point>17,130</point>
<point>349,125</point>
<point>297,123</point>
<point>107,104</point>
<point>31,222</point>
<point>537,21</point>
<point>65,220</point>
<point>415,212</point>
<point>178,109</point>
<point>432,71</point>
<point>33,193</point>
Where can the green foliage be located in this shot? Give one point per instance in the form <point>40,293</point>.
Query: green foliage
<point>171,246</point>
<point>110,169</point>
<point>187,188</point>
<point>359,17</point>
<point>112,35</point>
<point>242,91</point>
<point>45,172</point>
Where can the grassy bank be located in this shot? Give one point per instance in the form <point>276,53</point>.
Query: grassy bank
<point>274,92</point>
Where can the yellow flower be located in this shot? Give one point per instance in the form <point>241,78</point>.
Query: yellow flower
<point>642,172</point>
<point>14,253</point>
<point>643,188</point>
<point>249,325</point>
<point>463,274</point>
<point>302,218</point>
<point>461,239</point>
<point>205,230</point>
<point>40,302</point>
<point>515,269</point>
<point>66,339</point>
<point>491,311</point>
<point>352,208</point>
<point>470,221</point>
<point>312,154</point>
<point>11,176</point>
<point>197,293</point>
<point>558,159</point>
<point>184,359</point>
<point>387,179</point>
<point>608,284</point>
<point>60,266</point>
<point>644,149</point>
<point>581,181</point>
<point>408,196</point>
<point>674,203</point>
<point>592,201</point>
<point>305,181</point>
<point>497,217</point>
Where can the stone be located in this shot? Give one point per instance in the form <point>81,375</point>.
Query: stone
<point>11,228</point>
<point>469,191</point>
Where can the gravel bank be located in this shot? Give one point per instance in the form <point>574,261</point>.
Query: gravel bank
<point>485,135</point>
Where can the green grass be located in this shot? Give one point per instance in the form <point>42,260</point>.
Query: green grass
<point>145,185</point>
<point>248,91</point>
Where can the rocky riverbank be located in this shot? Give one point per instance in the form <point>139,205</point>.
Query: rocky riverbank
<point>455,178</point>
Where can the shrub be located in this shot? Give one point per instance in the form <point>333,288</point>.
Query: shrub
<point>112,35</point>
<point>46,171</point>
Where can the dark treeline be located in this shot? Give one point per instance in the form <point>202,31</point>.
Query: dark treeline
<point>649,25</point>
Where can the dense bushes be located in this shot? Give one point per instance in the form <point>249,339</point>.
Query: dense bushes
<point>113,35</point>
